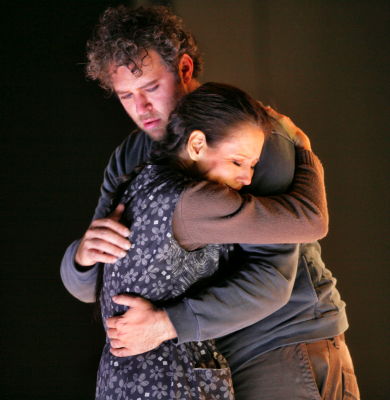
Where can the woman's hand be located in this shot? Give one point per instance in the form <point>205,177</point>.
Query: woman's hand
<point>299,138</point>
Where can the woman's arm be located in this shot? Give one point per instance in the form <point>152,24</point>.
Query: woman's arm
<point>213,213</point>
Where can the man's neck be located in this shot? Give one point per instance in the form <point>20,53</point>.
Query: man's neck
<point>193,84</point>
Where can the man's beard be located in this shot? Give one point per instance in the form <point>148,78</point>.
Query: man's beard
<point>159,133</point>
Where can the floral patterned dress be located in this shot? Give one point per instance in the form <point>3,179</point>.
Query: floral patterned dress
<point>158,269</point>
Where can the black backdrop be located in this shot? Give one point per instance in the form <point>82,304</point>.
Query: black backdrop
<point>324,63</point>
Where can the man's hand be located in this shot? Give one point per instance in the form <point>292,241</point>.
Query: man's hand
<point>141,328</point>
<point>296,134</point>
<point>104,241</point>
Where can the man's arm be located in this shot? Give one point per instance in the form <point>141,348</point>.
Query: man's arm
<point>105,239</point>
<point>80,283</point>
<point>261,285</point>
<point>264,280</point>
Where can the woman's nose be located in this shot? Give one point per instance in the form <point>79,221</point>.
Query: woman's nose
<point>246,177</point>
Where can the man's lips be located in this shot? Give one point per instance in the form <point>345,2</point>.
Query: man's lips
<point>151,123</point>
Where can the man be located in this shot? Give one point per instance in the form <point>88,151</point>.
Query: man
<point>282,340</point>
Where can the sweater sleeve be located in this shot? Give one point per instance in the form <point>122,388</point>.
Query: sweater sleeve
<point>213,213</point>
<point>263,276</point>
<point>262,281</point>
<point>80,283</point>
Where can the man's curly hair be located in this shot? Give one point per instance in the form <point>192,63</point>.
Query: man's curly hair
<point>123,36</point>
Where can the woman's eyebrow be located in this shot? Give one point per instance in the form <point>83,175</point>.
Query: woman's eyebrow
<point>239,155</point>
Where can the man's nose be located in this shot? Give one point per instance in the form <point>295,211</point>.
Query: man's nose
<point>142,104</point>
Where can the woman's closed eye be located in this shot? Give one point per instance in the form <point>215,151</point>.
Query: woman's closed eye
<point>240,164</point>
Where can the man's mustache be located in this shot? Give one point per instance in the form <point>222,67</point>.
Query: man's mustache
<point>147,117</point>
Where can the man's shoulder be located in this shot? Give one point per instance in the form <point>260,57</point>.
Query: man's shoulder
<point>136,137</point>
<point>275,170</point>
<point>136,145</point>
<point>133,150</point>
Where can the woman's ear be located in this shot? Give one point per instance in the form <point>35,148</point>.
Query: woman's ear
<point>196,145</point>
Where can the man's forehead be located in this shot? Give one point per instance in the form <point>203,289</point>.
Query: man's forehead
<point>139,74</point>
<point>121,90</point>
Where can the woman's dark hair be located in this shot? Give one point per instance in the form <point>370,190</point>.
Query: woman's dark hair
<point>125,35</point>
<point>213,108</point>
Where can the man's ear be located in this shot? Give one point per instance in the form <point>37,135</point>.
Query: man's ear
<point>186,69</point>
<point>196,145</point>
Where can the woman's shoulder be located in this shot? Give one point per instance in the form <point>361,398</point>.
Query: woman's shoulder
<point>152,179</point>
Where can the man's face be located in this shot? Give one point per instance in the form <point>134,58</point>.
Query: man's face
<point>150,97</point>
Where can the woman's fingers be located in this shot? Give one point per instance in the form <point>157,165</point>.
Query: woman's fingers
<point>296,134</point>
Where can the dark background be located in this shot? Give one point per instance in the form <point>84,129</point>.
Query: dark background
<point>324,63</point>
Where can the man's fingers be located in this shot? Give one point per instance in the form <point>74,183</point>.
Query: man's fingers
<point>126,352</point>
<point>116,215</point>
<point>107,244</point>
<point>133,302</point>
<point>112,333</point>
<point>105,240</point>
<point>116,344</point>
<point>111,224</point>
<point>111,322</point>
<point>97,250</point>
<point>91,251</point>
<point>106,236</point>
<point>123,352</point>
<point>98,257</point>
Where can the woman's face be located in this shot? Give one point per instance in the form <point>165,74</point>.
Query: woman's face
<point>232,161</point>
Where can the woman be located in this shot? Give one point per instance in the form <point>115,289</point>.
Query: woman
<point>215,133</point>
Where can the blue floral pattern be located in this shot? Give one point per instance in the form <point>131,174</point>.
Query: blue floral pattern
<point>157,268</point>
